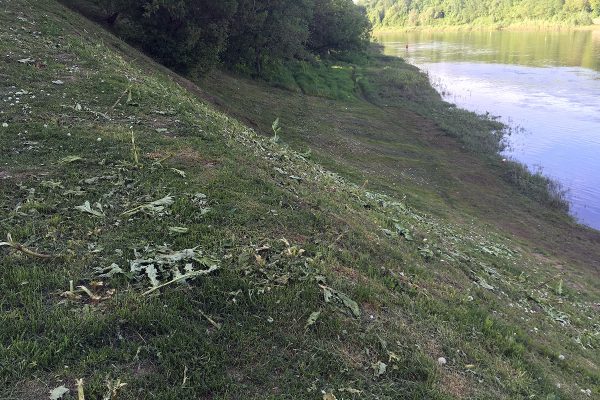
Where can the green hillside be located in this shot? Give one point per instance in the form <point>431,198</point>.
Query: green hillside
<point>401,13</point>
<point>167,240</point>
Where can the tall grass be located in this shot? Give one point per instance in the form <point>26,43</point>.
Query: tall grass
<point>538,186</point>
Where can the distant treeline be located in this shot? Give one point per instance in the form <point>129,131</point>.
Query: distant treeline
<point>195,35</point>
<point>412,13</point>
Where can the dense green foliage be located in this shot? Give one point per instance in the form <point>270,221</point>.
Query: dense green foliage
<point>337,25</point>
<point>480,12</point>
<point>179,33</point>
<point>194,35</point>
<point>268,30</point>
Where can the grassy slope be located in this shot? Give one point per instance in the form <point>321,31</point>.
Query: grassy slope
<point>401,139</point>
<point>418,299</point>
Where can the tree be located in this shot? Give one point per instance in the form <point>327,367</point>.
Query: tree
<point>595,5</point>
<point>457,12</point>
<point>577,5</point>
<point>183,34</point>
<point>194,35</point>
<point>267,30</point>
<point>338,25</point>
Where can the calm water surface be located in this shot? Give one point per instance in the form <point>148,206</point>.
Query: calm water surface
<point>547,84</point>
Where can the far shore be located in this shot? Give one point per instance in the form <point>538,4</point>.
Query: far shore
<point>512,27</point>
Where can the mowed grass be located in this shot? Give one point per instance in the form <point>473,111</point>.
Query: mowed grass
<point>396,135</point>
<point>290,240</point>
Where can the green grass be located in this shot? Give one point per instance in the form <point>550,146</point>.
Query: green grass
<point>328,79</point>
<point>415,305</point>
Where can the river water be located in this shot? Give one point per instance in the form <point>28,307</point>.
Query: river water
<point>546,85</point>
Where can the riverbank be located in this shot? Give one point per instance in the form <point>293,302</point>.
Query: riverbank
<point>538,81</point>
<point>168,240</point>
<point>397,135</point>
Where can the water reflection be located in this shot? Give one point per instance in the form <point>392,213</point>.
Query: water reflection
<point>571,48</point>
<point>547,83</point>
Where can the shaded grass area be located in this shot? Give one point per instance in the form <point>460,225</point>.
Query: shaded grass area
<point>289,238</point>
<point>324,79</point>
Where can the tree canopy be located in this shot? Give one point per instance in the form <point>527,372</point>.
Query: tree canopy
<point>195,35</point>
<point>458,12</point>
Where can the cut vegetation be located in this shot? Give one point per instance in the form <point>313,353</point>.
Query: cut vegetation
<point>160,248</point>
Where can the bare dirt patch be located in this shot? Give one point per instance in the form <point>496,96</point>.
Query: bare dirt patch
<point>30,390</point>
<point>184,157</point>
<point>20,175</point>
<point>456,384</point>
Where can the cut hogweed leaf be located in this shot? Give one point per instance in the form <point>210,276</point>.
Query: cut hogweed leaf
<point>58,392</point>
<point>179,172</point>
<point>152,274</point>
<point>426,252</point>
<point>403,232</point>
<point>200,201</point>
<point>178,229</point>
<point>156,207</point>
<point>189,275</point>
<point>351,304</point>
<point>77,191</point>
<point>52,184</point>
<point>387,232</point>
<point>482,282</point>
<point>379,368</point>
<point>109,272</point>
<point>69,159</point>
<point>350,390</point>
<point>87,208</point>
<point>327,294</point>
<point>162,264</point>
<point>330,294</point>
<point>312,319</point>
